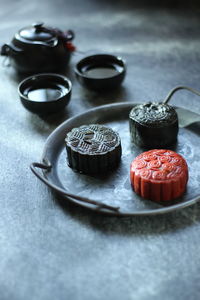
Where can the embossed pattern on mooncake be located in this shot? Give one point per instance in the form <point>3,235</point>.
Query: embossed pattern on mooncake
<point>93,148</point>
<point>159,175</point>
<point>153,125</point>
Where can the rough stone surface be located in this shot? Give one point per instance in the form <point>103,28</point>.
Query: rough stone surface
<point>51,249</point>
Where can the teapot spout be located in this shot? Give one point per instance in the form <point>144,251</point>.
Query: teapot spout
<point>6,49</point>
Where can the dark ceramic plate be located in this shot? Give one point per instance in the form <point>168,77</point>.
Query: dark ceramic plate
<point>112,194</point>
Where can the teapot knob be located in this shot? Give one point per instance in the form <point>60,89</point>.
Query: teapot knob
<point>38,26</point>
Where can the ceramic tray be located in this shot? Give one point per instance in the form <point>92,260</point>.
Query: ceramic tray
<point>112,194</point>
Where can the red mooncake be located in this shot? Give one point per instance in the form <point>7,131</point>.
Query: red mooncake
<point>159,175</point>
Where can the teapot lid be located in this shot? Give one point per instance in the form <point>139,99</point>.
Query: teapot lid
<point>35,33</point>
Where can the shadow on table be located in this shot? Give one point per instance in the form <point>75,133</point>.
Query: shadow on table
<point>93,99</point>
<point>135,225</point>
<point>47,123</point>
<point>17,77</point>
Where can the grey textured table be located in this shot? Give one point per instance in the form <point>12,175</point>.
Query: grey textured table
<point>52,249</point>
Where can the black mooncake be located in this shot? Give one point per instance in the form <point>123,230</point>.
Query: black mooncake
<point>93,149</point>
<point>153,125</point>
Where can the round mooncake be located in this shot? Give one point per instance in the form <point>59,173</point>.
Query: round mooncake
<point>93,149</point>
<point>159,175</point>
<point>153,125</point>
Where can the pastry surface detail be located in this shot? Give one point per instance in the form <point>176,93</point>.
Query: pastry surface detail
<point>93,148</point>
<point>159,175</point>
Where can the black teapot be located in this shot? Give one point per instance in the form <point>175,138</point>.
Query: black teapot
<point>37,49</point>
